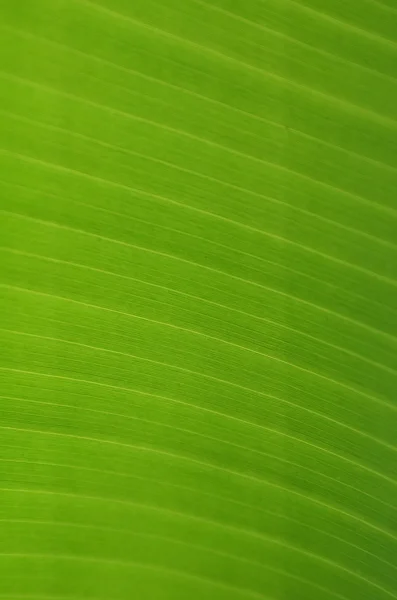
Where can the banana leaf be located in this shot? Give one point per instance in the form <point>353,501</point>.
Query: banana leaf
<point>198,303</point>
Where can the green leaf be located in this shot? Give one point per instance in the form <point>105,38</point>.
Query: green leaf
<point>198,274</point>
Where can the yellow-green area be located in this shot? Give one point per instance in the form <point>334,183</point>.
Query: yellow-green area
<point>198,303</point>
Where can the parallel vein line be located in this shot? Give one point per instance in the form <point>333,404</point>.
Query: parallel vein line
<point>335,382</point>
<point>217,497</point>
<point>214,439</point>
<point>353,108</point>
<point>171,165</point>
<point>343,24</point>
<point>233,529</point>
<point>218,272</point>
<point>178,542</point>
<point>203,140</point>
<point>225,416</point>
<point>199,299</point>
<point>128,564</point>
<point>211,466</point>
<point>227,107</point>
<point>296,41</point>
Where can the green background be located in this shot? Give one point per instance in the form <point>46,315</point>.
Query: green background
<point>198,309</point>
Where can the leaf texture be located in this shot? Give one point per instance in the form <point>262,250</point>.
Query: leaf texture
<point>198,273</point>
